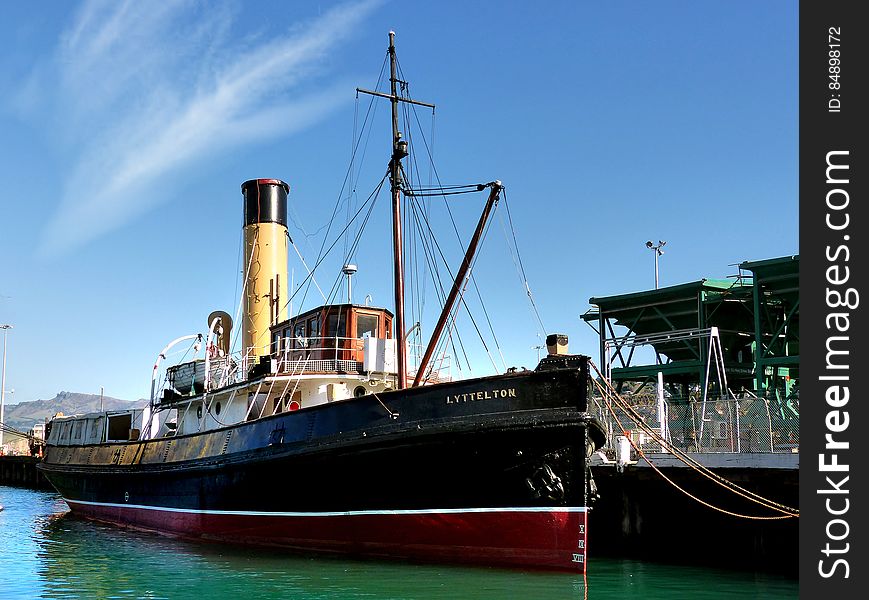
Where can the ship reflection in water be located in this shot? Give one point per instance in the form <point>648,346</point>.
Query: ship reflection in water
<point>46,552</point>
<point>85,559</point>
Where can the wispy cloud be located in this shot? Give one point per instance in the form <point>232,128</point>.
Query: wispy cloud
<point>149,88</point>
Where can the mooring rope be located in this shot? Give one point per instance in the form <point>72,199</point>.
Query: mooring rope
<point>611,393</point>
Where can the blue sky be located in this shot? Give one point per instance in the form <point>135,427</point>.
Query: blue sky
<point>128,128</point>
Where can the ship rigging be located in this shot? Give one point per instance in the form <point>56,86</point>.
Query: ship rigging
<point>284,441</point>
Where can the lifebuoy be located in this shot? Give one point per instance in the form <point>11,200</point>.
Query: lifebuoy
<point>294,405</point>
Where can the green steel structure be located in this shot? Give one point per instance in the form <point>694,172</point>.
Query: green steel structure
<point>676,321</point>
<point>754,314</point>
<point>776,297</point>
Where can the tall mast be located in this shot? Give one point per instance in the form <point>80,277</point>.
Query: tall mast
<point>399,151</point>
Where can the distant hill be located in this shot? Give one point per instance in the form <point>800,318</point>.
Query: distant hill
<point>24,415</point>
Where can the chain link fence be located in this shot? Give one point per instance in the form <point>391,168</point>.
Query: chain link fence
<point>743,424</point>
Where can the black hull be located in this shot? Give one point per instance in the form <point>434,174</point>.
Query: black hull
<point>512,442</point>
<point>405,471</point>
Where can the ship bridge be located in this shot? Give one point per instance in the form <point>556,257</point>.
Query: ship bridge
<point>348,338</point>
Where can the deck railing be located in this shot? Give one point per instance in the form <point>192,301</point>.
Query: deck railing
<point>342,354</point>
<point>297,356</point>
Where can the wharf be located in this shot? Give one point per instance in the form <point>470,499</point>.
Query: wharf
<point>642,515</point>
<point>713,460</point>
<point>21,471</point>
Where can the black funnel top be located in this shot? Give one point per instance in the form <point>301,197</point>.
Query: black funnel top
<point>265,201</point>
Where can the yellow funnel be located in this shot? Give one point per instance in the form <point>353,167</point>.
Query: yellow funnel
<point>265,263</point>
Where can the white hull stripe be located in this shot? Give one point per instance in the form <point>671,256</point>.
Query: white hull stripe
<point>351,513</point>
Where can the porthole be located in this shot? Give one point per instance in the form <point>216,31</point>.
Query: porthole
<point>360,391</point>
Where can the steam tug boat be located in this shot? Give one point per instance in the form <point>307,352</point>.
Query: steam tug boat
<point>318,436</point>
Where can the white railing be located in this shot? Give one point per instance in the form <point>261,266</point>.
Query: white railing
<point>296,356</point>
<point>343,354</point>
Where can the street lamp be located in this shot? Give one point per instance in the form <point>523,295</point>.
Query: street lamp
<point>658,252</point>
<point>5,328</point>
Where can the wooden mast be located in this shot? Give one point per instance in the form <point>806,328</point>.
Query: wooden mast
<point>399,151</point>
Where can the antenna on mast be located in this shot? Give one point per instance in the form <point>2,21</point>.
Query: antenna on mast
<point>349,271</point>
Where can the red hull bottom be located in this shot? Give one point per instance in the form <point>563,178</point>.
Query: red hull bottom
<point>548,538</point>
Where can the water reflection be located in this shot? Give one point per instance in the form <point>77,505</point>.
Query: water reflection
<point>46,552</point>
<point>90,560</point>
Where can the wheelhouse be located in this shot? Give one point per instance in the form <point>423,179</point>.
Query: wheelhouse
<point>335,338</point>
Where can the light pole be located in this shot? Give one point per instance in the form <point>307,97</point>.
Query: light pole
<point>662,411</point>
<point>658,252</point>
<point>5,327</point>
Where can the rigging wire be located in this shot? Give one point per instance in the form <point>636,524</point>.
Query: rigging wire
<point>462,301</point>
<point>239,326</point>
<point>352,143</point>
<point>441,191</point>
<point>304,264</point>
<point>320,260</point>
<point>347,178</point>
<point>238,259</point>
<point>336,286</point>
<point>431,162</point>
<point>413,238</point>
<point>370,112</point>
<point>482,304</point>
<point>522,267</point>
<point>468,188</point>
<point>459,189</point>
<point>435,274</point>
<point>424,211</point>
<point>473,187</point>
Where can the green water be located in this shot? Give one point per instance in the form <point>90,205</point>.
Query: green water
<point>45,552</point>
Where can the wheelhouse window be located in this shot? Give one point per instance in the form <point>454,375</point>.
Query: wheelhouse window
<point>336,325</point>
<point>367,326</point>
<point>299,333</point>
<point>314,327</point>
